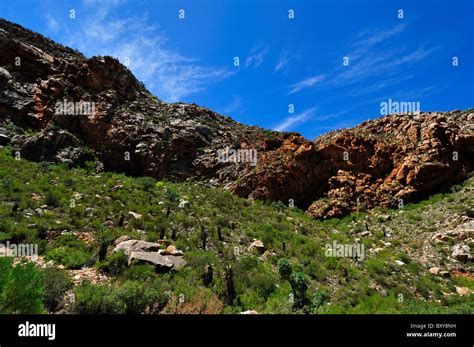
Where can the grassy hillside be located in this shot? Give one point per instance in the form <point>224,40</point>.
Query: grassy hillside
<point>75,215</point>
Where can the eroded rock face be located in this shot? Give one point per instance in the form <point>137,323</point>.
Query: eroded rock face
<point>380,163</point>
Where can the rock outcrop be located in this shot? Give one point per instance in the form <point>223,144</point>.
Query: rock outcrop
<point>57,105</point>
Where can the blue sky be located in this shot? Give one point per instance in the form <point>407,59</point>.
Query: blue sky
<point>282,61</point>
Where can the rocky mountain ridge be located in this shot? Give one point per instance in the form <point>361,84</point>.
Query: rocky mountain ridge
<point>381,163</point>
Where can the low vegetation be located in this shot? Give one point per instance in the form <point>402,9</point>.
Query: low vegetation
<point>75,215</point>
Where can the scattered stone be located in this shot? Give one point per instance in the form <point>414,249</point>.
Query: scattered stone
<point>461,253</point>
<point>136,216</point>
<point>266,255</point>
<point>109,223</point>
<point>171,250</point>
<point>78,196</point>
<point>445,274</point>
<point>463,291</point>
<point>91,275</point>
<point>399,262</point>
<point>258,246</point>
<point>435,270</point>
<point>184,204</point>
<point>4,140</point>
<point>249,312</point>
<point>440,237</point>
<point>457,234</point>
<point>117,187</point>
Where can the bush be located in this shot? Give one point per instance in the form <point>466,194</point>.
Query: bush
<point>284,268</point>
<point>70,251</point>
<point>139,272</point>
<point>69,257</point>
<point>137,296</point>
<point>56,283</point>
<point>299,283</point>
<point>21,288</point>
<point>171,194</point>
<point>52,199</point>
<point>147,184</point>
<point>319,298</point>
<point>131,297</point>
<point>115,264</point>
<point>203,301</point>
<point>93,299</point>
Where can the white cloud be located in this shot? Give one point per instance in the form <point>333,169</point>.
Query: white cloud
<point>235,106</point>
<point>256,57</point>
<point>166,72</point>
<point>283,60</point>
<point>52,23</point>
<point>306,83</point>
<point>294,120</point>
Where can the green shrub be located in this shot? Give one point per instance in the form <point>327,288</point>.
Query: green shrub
<point>139,272</point>
<point>147,184</point>
<point>52,199</point>
<point>115,264</point>
<point>97,299</point>
<point>21,288</point>
<point>284,268</point>
<point>131,297</point>
<point>299,283</point>
<point>171,194</point>
<point>319,298</point>
<point>70,251</point>
<point>56,283</point>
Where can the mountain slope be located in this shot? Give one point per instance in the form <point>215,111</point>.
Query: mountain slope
<point>381,163</point>
<point>412,260</point>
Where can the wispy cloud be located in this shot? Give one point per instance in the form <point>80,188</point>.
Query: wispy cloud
<point>366,39</point>
<point>306,83</point>
<point>256,56</point>
<point>329,116</point>
<point>370,57</point>
<point>52,23</point>
<point>166,72</point>
<point>283,60</point>
<point>235,106</point>
<point>291,121</point>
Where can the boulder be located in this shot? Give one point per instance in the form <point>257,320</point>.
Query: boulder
<point>160,261</point>
<point>130,246</point>
<point>184,204</point>
<point>171,250</point>
<point>134,215</point>
<point>463,291</point>
<point>258,246</point>
<point>121,239</point>
<point>4,140</point>
<point>461,253</point>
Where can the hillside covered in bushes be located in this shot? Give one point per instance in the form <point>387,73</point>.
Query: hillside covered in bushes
<point>235,255</point>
